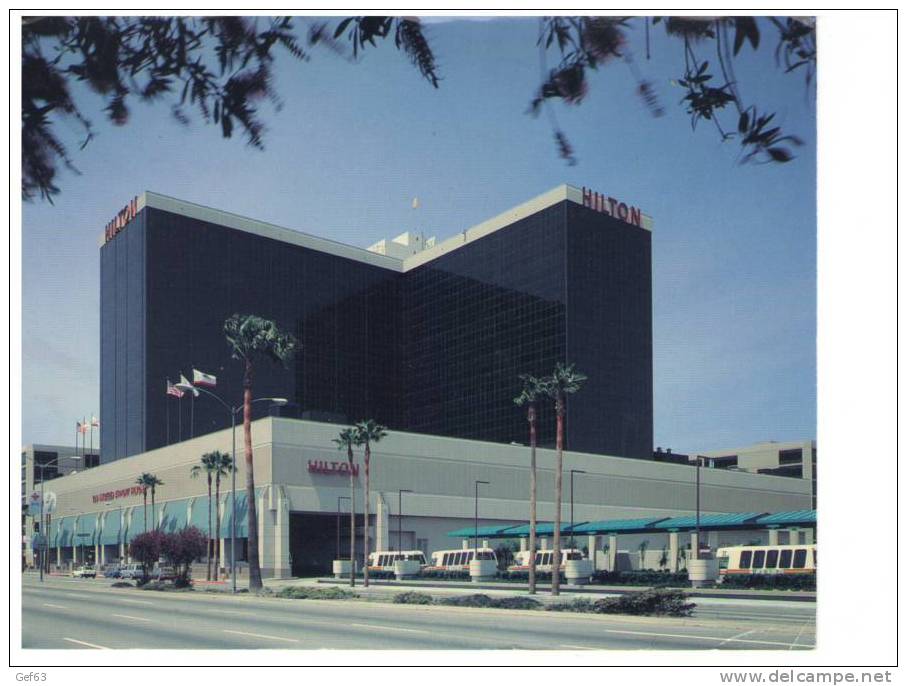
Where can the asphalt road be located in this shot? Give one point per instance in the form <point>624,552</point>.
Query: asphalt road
<point>89,614</point>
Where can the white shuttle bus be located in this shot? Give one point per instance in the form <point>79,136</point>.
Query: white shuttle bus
<point>767,559</point>
<point>383,560</point>
<point>458,560</point>
<point>543,560</point>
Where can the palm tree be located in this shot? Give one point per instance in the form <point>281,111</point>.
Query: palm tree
<point>368,432</point>
<point>251,337</point>
<point>225,466</point>
<point>347,438</point>
<point>532,390</point>
<point>207,466</point>
<point>144,482</point>
<point>563,382</point>
<point>153,483</point>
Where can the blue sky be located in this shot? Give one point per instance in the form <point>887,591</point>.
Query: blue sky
<point>734,247</point>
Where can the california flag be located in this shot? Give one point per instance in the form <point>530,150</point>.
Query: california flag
<point>202,379</point>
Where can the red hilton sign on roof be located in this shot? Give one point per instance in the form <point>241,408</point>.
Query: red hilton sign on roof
<point>612,207</point>
<point>124,216</point>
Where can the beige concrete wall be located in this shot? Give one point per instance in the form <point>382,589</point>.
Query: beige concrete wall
<point>171,464</point>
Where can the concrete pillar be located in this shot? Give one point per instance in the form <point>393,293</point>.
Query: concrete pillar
<point>673,551</point>
<point>593,546</point>
<point>694,545</point>
<point>382,540</point>
<point>808,536</point>
<point>773,537</point>
<point>274,533</point>
<point>466,544</point>
<point>524,545</point>
<point>794,536</point>
<point>612,552</point>
<point>543,543</point>
<point>485,543</point>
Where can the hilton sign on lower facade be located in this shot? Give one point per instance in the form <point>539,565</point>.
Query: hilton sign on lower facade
<point>325,467</point>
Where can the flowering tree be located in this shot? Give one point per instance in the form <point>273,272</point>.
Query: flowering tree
<point>147,548</point>
<point>181,549</point>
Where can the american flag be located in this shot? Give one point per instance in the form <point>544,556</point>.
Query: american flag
<point>173,390</point>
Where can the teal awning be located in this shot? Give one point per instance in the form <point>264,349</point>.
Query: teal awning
<point>618,526</point>
<point>136,524</point>
<point>86,530</point>
<point>175,516</point>
<point>792,518</point>
<point>53,531</point>
<point>66,529</point>
<point>541,529</point>
<point>242,513</point>
<point>110,527</point>
<point>199,516</point>
<point>730,520</point>
<point>496,531</point>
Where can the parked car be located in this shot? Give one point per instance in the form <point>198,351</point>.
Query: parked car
<point>163,573</point>
<point>112,571</point>
<point>133,570</point>
<point>85,571</point>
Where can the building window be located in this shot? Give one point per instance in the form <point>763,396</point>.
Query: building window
<point>792,456</point>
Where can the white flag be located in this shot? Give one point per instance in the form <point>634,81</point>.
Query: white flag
<point>202,379</point>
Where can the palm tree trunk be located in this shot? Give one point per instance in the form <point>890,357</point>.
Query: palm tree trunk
<point>352,520</point>
<point>145,507</point>
<point>252,519</point>
<point>216,525</point>
<point>368,454</point>
<point>153,519</point>
<point>532,498</point>
<point>558,488</point>
<point>208,546</point>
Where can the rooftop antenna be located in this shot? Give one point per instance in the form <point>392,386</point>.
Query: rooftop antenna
<point>416,205</point>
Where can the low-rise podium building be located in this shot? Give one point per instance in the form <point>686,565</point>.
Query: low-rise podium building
<point>303,486</point>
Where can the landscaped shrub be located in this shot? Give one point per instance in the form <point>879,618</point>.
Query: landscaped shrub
<point>121,584</point>
<point>180,549</point>
<point>146,548</point>
<point>413,598</point>
<point>656,601</point>
<point>307,593</point>
<point>777,582</point>
<point>482,600</point>
<point>443,574</point>
<point>573,605</point>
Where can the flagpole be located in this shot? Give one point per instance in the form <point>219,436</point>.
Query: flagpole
<point>179,411</point>
<point>191,416</point>
<point>168,414</point>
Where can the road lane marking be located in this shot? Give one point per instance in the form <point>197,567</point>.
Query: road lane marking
<point>740,635</point>
<point>696,637</point>
<point>273,638</point>
<point>571,647</point>
<point>797,637</point>
<point>59,607</point>
<point>137,602</point>
<point>391,628</point>
<point>85,643</point>
<point>76,595</point>
<point>140,619</point>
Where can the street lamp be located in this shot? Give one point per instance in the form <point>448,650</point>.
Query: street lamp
<point>195,390</point>
<point>572,472</point>
<point>41,528</point>
<point>339,498</point>
<point>475,537</point>
<point>698,465</point>
<point>400,493</point>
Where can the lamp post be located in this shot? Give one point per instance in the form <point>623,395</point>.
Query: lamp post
<point>698,465</point>
<point>475,537</point>
<point>339,498</point>
<point>195,390</point>
<point>41,528</point>
<point>400,493</point>
<point>572,472</point>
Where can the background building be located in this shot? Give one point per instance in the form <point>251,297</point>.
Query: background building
<point>431,340</point>
<point>45,463</point>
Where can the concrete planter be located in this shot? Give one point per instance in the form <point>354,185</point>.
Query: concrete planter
<point>406,569</point>
<point>702,572</point>
<point>341,569</point>
<point>482,570</point>
<point>578,572</point>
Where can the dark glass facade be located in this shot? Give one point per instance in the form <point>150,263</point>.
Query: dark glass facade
<point>436,349</point>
